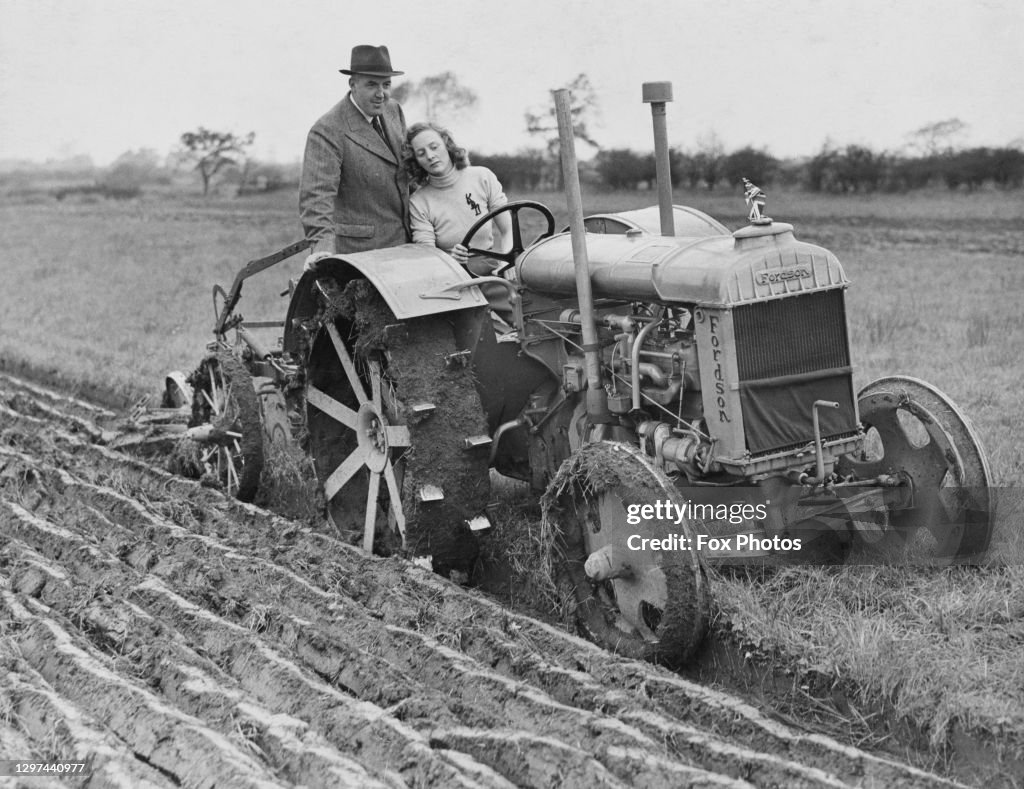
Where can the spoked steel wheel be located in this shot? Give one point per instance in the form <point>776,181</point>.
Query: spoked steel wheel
<point>637,599</point>
<point>916,432</point>
<point>226,424</point>
<point>396,430</point>
<point>356,437</point>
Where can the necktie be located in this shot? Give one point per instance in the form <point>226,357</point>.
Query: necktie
<point>378,127</point>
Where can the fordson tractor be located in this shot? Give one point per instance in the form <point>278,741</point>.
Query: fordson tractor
<point>678,393</point>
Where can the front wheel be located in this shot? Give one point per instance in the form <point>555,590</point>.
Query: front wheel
<point>639,586</point>
<point>916,432</point>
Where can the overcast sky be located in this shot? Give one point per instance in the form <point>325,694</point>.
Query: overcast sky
<point>101,77</point>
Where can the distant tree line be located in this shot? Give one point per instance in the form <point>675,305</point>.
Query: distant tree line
<point>856,168</point>
<point>853,169</point>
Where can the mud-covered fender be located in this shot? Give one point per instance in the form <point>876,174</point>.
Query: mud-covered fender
<point>414,280</point>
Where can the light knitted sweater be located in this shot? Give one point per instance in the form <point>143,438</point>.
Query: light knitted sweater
<point>442,210</point>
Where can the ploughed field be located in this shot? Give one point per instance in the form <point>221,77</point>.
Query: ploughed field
<point>173,636</point>
<point>183,638</point>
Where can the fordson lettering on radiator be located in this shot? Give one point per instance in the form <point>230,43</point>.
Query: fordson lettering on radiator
<point>716,355</point>
<point>782,275</point>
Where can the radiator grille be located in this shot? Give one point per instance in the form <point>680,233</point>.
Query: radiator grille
<point>791,352</point>
<point>800,334</point>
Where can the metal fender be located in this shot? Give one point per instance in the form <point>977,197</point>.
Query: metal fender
<point>414,280</point>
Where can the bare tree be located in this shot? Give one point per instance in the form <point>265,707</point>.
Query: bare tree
<point>212,151</point>
<point>939,137</point>
<point>583,109</point>
<point>442,95</point>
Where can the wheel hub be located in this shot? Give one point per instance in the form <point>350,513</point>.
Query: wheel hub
<point>372,436</point>
<point>633,598</point>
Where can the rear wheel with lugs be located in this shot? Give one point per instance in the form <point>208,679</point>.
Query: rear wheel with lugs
<point>388,414</point>
<point>635,599</point>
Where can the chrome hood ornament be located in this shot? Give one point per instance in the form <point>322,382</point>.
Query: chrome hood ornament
<point>755,199</point>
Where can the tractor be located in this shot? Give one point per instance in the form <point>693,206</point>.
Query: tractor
<point>678,395</point>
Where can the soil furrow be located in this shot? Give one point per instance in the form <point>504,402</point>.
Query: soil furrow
<point>576,672</point>
<point>180,746</point>
<point>727,758</point>
<point>257,668</point>
<point>25,404</point>
<point>372,734</point>
<point>63,403</point>
<point>527,758</point>
<point>710,710</point>
<point>299,754</point>
<point>192,683</point>
<point>451,681</point>
<point>44,726</point>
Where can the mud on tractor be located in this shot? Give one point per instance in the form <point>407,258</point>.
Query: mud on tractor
<point>659,378</point>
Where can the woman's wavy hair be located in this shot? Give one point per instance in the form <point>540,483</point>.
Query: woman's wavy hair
<point>459,156</point>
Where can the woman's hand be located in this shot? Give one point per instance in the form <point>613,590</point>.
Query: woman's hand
<point>460,253</point>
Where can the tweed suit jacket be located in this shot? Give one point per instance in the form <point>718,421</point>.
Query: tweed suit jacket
<point>354,193</point>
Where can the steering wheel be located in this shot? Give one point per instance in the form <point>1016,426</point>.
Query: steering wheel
<point>509,258</point>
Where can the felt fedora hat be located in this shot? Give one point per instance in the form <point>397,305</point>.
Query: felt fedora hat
<point>371,61</point>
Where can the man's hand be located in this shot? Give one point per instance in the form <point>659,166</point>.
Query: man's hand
<point>312,260</point>
<point>460,253</point>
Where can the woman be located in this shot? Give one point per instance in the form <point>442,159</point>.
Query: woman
<point>452,194</point>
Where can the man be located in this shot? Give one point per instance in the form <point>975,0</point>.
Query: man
<point>354,193</point>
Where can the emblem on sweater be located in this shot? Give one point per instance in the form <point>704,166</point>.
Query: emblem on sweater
<point>473,204</point>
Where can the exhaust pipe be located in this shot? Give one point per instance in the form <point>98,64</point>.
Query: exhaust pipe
<point>657,94</point>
